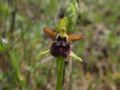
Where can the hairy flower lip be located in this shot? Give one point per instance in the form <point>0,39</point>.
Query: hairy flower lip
<point>60,50</point>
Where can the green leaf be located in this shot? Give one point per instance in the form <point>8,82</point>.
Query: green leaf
<point>15,60</point>
<point>3,47</point>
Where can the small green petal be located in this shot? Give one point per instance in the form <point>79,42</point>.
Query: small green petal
<point>42,53</point>
<point>74,56</point>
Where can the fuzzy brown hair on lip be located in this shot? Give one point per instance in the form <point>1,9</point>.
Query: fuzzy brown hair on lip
<point>60,48</point>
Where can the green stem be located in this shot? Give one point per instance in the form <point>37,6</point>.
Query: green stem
<point>60,61</point>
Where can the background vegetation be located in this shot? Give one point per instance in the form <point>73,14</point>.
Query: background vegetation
<point>22,40</point>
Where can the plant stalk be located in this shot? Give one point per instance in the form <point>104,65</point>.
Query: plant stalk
<point>60,61</point>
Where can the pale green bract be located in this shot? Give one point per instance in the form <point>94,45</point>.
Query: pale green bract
<point>67,24</point>
<point>72,15</point>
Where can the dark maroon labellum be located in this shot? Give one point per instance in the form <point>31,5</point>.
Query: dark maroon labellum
<point>61,47</point>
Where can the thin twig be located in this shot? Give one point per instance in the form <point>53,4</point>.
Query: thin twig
<point>13,17</point>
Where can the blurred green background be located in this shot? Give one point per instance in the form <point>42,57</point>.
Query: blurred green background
<point>22,40</point>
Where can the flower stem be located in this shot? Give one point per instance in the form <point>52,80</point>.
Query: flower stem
<point>60,61</point>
